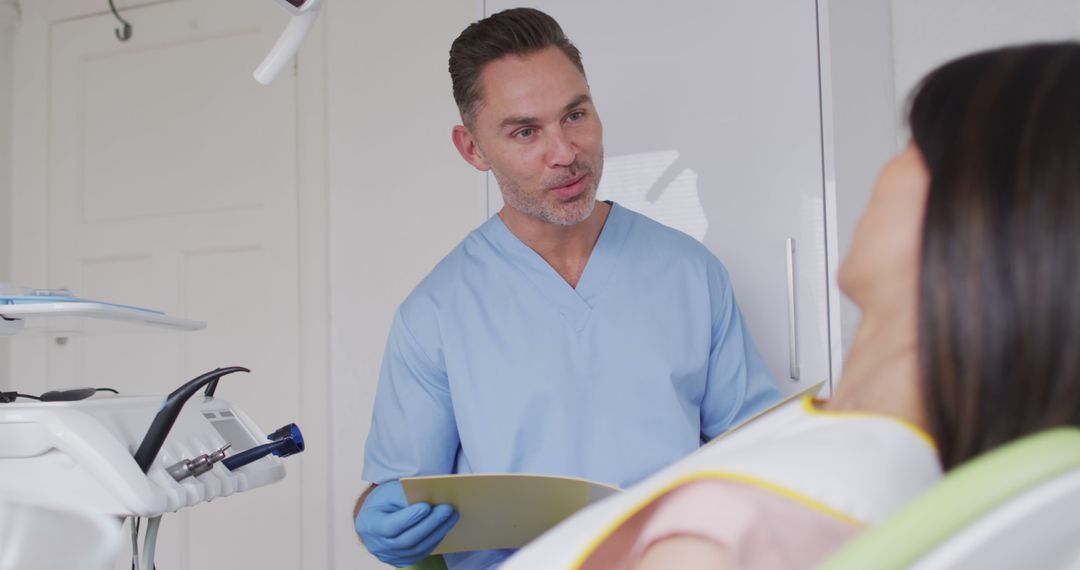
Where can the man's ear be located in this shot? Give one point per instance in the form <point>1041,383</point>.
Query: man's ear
<point>470,151</point>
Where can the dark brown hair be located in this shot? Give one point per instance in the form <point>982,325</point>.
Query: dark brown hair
<point>518,31</point>
<point>999,322</point>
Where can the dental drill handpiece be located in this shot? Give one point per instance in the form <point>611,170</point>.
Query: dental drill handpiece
<point>194,467</point>
<point>285,441</point>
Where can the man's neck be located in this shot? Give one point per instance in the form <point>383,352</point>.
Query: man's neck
<point>565,248</point>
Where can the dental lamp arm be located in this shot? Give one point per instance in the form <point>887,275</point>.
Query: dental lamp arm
<point>289,43</point>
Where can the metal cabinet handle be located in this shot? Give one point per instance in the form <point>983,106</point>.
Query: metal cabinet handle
<point>793,341</point>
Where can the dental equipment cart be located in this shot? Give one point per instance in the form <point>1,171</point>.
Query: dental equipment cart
<point>122,456</point>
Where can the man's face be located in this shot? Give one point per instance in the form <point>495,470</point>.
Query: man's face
<point>537,130</point>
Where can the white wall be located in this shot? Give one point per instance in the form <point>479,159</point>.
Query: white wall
<point>8,16</point>
<point>857,93</point>
<point>927,33</point>
<point>400,198</point>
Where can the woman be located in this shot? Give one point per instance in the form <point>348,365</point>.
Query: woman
<point>965,265</point>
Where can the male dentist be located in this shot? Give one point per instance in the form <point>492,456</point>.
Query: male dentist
<point>565,335</point>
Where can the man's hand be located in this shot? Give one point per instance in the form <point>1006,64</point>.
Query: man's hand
<point>398,533</point>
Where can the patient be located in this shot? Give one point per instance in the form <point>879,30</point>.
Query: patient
<point>966,265</point>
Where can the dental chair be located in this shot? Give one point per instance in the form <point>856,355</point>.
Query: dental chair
<point>433,562</point>
<point>1017,506</point>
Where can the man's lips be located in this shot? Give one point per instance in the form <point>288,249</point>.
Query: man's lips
<point>572,188</point>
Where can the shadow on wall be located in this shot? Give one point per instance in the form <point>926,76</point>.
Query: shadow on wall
<point>659,185</point>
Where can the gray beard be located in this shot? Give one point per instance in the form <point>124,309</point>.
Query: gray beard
<point>562,214</point>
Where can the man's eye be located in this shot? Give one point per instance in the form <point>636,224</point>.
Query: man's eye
<point>576,116</point>
<point>524,133</point>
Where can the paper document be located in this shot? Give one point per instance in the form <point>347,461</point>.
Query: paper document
<point>504,510</point>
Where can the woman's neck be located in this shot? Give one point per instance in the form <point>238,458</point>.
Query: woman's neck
<point>881,374</point>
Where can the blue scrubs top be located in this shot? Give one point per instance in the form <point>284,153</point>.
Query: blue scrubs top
<point>495,364</point>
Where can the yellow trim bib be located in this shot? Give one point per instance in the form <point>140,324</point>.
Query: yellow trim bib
<point>854,467</point>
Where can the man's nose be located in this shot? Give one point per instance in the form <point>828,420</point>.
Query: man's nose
<point>561,149</point>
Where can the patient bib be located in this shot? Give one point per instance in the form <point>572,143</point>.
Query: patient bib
<point>857,467</point>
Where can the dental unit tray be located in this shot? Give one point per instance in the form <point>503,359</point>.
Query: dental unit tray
<point>124,455</point>
<point>82,452</point>
<point>68,314</point>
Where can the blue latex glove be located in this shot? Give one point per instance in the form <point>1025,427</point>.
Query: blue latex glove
<point>398,533</point>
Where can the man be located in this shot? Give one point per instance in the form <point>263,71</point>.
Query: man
<point>565,335</point>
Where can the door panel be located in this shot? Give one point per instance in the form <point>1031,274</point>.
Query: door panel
<point>173,185</point>
<point>193,124</point>
<point>712,125</point>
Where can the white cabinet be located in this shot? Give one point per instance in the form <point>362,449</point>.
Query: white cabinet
<point>712,124</point>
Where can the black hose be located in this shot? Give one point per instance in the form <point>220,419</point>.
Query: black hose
<point>170,410</point>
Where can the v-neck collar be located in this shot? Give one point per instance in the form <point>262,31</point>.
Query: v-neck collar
<point>574,304</point>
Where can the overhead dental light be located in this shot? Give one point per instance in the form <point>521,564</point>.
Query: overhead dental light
<point>304,13</point>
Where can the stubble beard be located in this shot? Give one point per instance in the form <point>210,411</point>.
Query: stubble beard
<point>560,212</point>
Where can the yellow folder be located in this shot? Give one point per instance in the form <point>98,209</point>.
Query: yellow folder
<point>503,510</point>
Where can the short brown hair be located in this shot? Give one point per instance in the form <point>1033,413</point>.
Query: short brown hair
<point>518,31</point>
<point>999,332</point>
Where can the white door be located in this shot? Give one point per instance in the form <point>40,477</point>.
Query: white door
<point>712,125</point>
<point>173,185</point>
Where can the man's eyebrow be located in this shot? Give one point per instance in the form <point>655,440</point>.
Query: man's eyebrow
<point>524,120</point>
<point>579,100</point>
<point>517,121</point>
